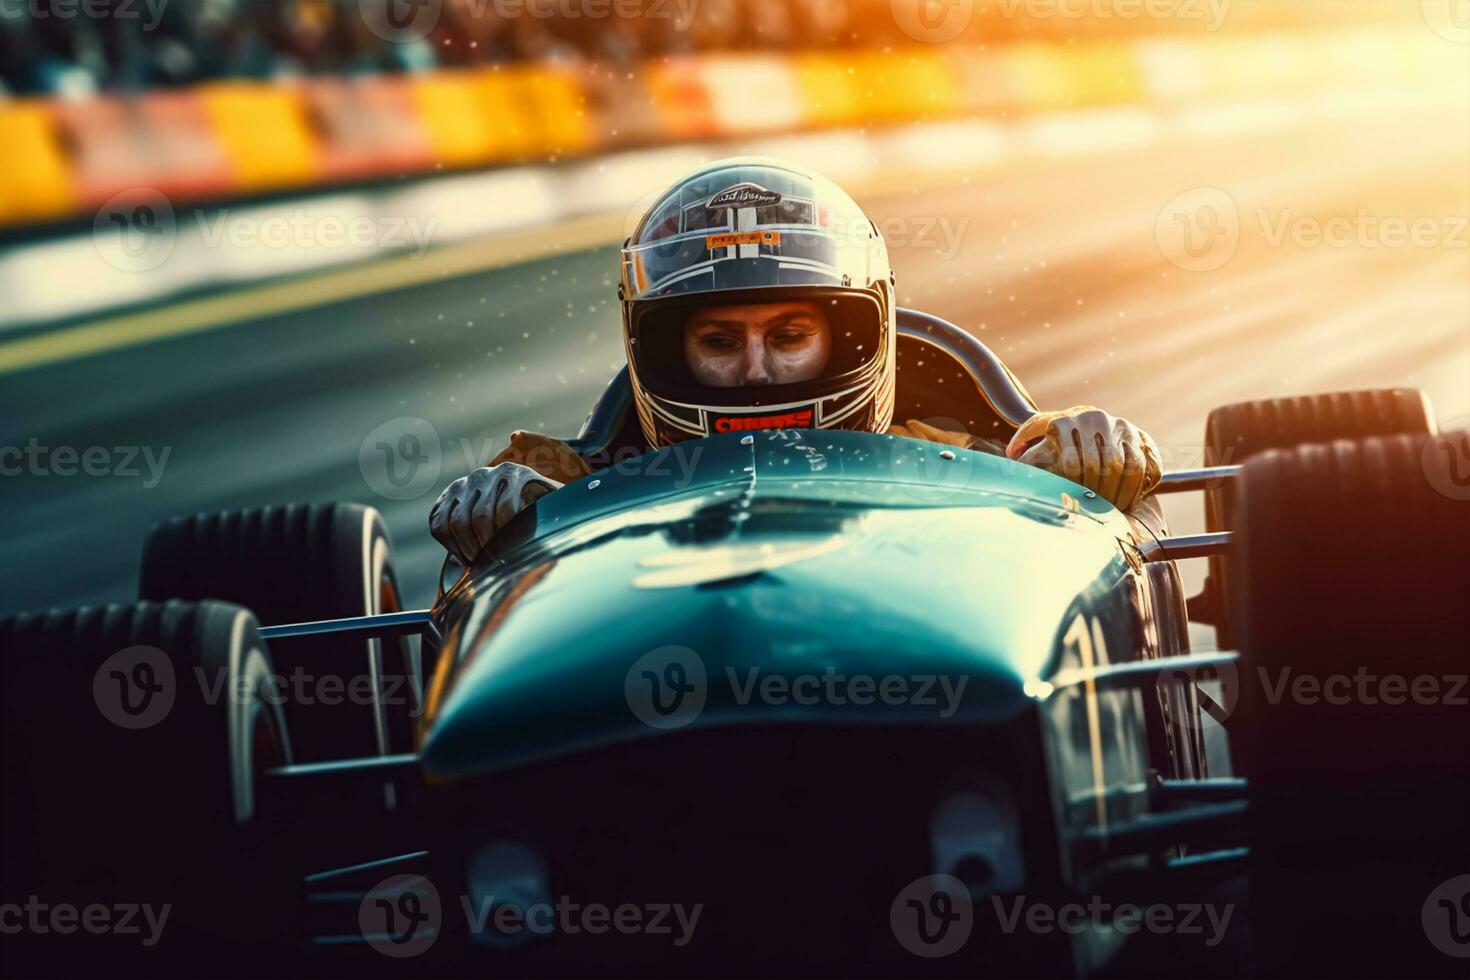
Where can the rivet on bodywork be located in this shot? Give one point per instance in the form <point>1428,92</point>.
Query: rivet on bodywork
<point>946,454</point>
<point>747,440</point>
<point>1088,493</point>
<point>594,484</point>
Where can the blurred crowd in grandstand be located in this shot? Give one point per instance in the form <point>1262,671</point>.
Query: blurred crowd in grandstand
<point>125,44</point>
<point>77,47</point>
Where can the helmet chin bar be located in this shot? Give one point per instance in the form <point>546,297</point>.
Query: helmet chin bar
<point>853,401</point>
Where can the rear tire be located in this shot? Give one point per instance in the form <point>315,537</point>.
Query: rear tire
<point>298,563</point>
<point>1239,432</point>
<point>1353,567</point>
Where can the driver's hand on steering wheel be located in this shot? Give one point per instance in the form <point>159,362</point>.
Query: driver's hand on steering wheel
<point>474,508</point>
<point>1106,454</point>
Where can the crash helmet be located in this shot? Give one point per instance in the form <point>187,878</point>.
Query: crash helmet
<point>755,230</point>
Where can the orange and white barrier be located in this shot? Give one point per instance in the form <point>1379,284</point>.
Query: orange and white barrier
<point>244,138</point>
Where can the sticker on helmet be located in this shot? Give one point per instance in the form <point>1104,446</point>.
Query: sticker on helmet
<point>745,195</point>
<point>786,420</point>
<point>742,238</point>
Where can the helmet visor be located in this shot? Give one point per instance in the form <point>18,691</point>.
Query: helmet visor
<point>666,354</point>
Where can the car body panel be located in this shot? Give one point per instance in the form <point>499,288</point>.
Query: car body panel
<point>783,554</point>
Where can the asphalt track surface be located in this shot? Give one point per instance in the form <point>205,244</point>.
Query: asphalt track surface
<point>1057,265</point>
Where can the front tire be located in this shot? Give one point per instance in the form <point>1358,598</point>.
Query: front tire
<point>1349,602</point>
<point>135,741</point>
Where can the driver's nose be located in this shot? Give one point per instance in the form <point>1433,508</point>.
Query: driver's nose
<point>755,369</point>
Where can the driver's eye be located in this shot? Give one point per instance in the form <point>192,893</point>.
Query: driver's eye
<point>718,342</point>
<point>787,338</point>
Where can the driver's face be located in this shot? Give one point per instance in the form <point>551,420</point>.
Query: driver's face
<point>757,344</point>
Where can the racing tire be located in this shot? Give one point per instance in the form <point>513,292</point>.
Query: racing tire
<point>1241,431</point>
<point>1348,597</point>
<point>299,563</point>
<point>135,738</point>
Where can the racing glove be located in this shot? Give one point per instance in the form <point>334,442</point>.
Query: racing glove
<point>472,509</point>
<point>1108,455</point>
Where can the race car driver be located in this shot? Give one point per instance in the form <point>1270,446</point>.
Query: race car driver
<point>756,294</point>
